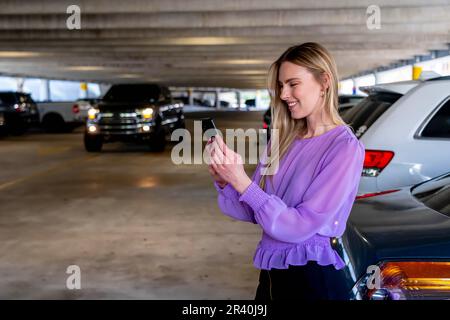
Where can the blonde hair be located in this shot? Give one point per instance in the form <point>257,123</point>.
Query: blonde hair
<point>317,60</point>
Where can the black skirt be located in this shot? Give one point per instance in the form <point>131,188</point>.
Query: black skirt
<point>310,282</point>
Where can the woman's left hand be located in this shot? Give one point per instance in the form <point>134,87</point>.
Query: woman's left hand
<point>229,165</point>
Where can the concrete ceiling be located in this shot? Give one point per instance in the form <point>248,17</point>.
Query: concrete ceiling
<point>208,43</point>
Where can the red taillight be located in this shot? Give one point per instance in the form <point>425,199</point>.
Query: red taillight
<point>377,158</point>
<point>18,108</point>
<point>75,108</point>
<point>368,195</point>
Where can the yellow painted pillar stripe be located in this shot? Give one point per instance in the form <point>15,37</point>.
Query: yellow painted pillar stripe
<point>416,72</point>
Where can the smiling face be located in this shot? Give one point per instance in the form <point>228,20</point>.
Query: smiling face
<point>299,90</point>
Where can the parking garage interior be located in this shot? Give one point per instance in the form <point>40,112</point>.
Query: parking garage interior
<point>138,225</point>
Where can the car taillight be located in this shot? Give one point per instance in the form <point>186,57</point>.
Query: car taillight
<point>19,107</point>
<point>368,195</point>
<point>406,280</point>
<point>75,108</point>
<point>375,161</point>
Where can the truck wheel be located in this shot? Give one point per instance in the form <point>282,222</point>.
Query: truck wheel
<point>158,140</point>
<point>53,123</point>
<point>93,143</point>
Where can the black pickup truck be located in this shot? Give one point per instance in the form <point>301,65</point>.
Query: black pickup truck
<point>137,112</point>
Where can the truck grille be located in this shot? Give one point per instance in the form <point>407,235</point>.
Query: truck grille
<point>120,123</point>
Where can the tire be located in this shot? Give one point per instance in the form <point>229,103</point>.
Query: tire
<point>93,143</point>
<point>15,125</point>
<point>157,141</point>
<point>3,132</point>
<point>18,129</point>
<point>54,123</point>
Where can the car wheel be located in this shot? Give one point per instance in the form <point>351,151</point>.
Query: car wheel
<point>18,129</point>
<point>158,140</point>
<point>15,125</point>
<point>3,131</point>
<point>93,143</point>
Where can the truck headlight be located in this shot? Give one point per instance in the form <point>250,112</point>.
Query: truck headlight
<point>406,280</point>
<point>92,129</point>
<point>92,113</point>
<point>147,113</point>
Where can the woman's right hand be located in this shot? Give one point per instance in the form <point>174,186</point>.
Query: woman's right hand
<point>217,178</point>
<point>222,183</point>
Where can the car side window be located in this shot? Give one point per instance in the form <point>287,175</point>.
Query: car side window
<point>439,125</point>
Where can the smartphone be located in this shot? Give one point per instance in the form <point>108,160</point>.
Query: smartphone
<point>208,124</point>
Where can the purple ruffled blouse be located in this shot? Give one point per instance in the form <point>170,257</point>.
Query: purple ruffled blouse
<point>309,202</point>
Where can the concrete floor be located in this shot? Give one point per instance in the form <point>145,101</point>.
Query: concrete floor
<point>138,226</point>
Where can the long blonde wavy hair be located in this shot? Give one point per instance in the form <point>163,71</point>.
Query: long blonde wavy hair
<point>317,60</point>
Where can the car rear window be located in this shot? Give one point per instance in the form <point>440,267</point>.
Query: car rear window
<point>439,125</point>
<point>350,99</point>
<point>366,112</point>
<point>133,93</point>
<point>25,98</point>
<point>435,194</point>
<point>8,98</point>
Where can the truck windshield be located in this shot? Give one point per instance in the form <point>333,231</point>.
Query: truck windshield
<point>133,93</point>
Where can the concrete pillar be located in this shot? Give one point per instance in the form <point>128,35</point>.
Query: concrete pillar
<point>376,77</point>
<point>43,90</point>
<point>238,98</point>
<point>416,70</point>
<point>190,96</point>
<point>47,87</point>
<point>217,99</point>
<point>258,98</point>
<point>20,82</point>
<point>354,86</point>
<point>84,90</point>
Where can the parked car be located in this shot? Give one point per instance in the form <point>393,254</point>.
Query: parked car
<point>397,245</point>
<point>3,131</point>
<point>405,127</point>
<point>250,103</point>
<point>137,112</point>
<point>81,107</point>
<point>60,116</point>
<point>19,111</point>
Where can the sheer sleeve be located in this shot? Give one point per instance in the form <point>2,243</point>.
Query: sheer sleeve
<point>329,193</point>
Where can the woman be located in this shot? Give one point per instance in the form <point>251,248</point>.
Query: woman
<point>307,202</point>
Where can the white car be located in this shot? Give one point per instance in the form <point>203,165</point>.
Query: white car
<point>64,116</point>
<point>405,128</point>
<point>84,105</point>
